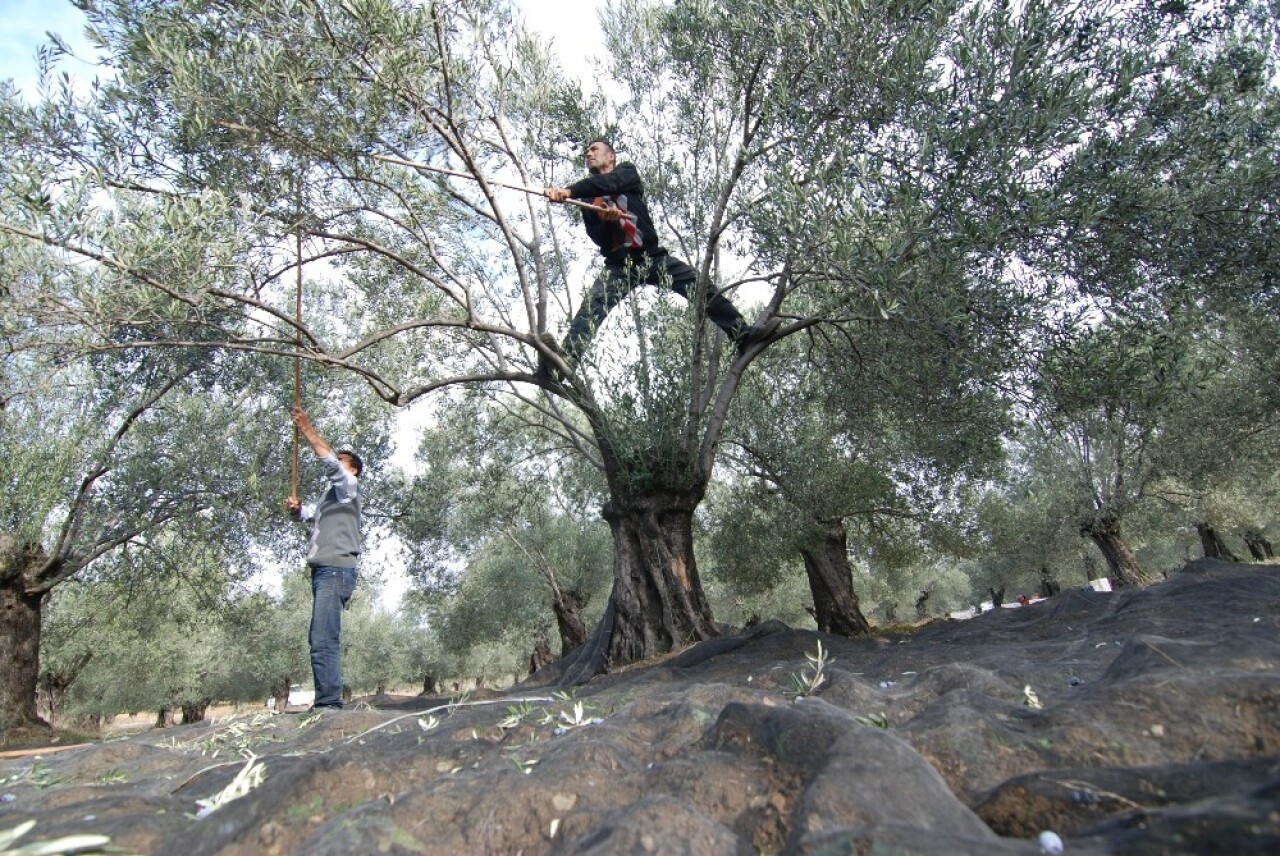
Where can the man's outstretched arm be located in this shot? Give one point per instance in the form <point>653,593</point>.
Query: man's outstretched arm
<point>318,444</point>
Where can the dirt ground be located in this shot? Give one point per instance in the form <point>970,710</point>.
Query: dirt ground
<point>1134,722</point>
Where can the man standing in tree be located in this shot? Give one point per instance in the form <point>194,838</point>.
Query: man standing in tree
<point>632,255</point>
<point>333,555</point>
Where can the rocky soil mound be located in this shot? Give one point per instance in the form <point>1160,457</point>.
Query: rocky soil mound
<point>1127,722</point>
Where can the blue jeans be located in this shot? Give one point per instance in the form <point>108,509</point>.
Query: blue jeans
<point>331,588</point>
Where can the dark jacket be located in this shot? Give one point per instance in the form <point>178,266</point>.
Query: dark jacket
<point>621,188</point>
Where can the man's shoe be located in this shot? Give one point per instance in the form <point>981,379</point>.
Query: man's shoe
<point>315,710</point>
<point>757,333</point>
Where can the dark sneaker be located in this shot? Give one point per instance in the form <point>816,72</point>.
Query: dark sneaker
<point>757,333</point>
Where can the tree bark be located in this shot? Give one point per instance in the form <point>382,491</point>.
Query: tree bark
<point>194,711</point>
<point>165,718</point>
<point>1259,547</point>
<point>567,607</point>
<point>280,693</point>
<point>428,685</point>
<point>20,627</point>
<point>1213,545</point>
<point>657,596</point>
<point>922,605</point>
<point>826,564</point>
<point>1048,585</point>
<point>54,685</point>
<point>1104,532</point>
<point>541,655</point>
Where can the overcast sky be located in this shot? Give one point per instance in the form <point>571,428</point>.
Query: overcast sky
<point>575,35</point>
<point>23,24</point>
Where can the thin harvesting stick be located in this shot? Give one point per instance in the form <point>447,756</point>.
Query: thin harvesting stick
<point>533,190</point>
<point>297,343</point>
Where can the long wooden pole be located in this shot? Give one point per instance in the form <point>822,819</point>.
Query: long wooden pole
<point>536,191</point>
<point>626,215</point>
<point>297,341</point>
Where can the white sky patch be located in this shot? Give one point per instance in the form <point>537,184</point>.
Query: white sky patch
<point>25,25</point>
<point>573,30</point>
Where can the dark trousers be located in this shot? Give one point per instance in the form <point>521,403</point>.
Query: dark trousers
<point>619,280</point>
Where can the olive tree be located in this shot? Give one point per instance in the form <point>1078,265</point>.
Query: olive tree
<point>505,528</point>
<point>856,160</point>
<point>101,467</point>
<point>1163,249</point>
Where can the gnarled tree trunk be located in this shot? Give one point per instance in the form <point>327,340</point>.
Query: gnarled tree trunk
<point>1213,545</point>
<point>1048,585</point>
<point>826,564</point>
<point>567,606</point>
<point>1259,547</point>
<point>20,627</point>
<point>194,711</point>
<point>658,602</point>
<point>280,694</point>
<point>54,685</point>
<point>1104,532</point>
<point>541,655</point>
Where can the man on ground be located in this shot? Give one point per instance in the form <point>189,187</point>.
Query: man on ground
<point>333,556</point>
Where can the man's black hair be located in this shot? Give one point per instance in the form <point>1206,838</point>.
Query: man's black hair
<point>600,140</point>
<point>355,460</point>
